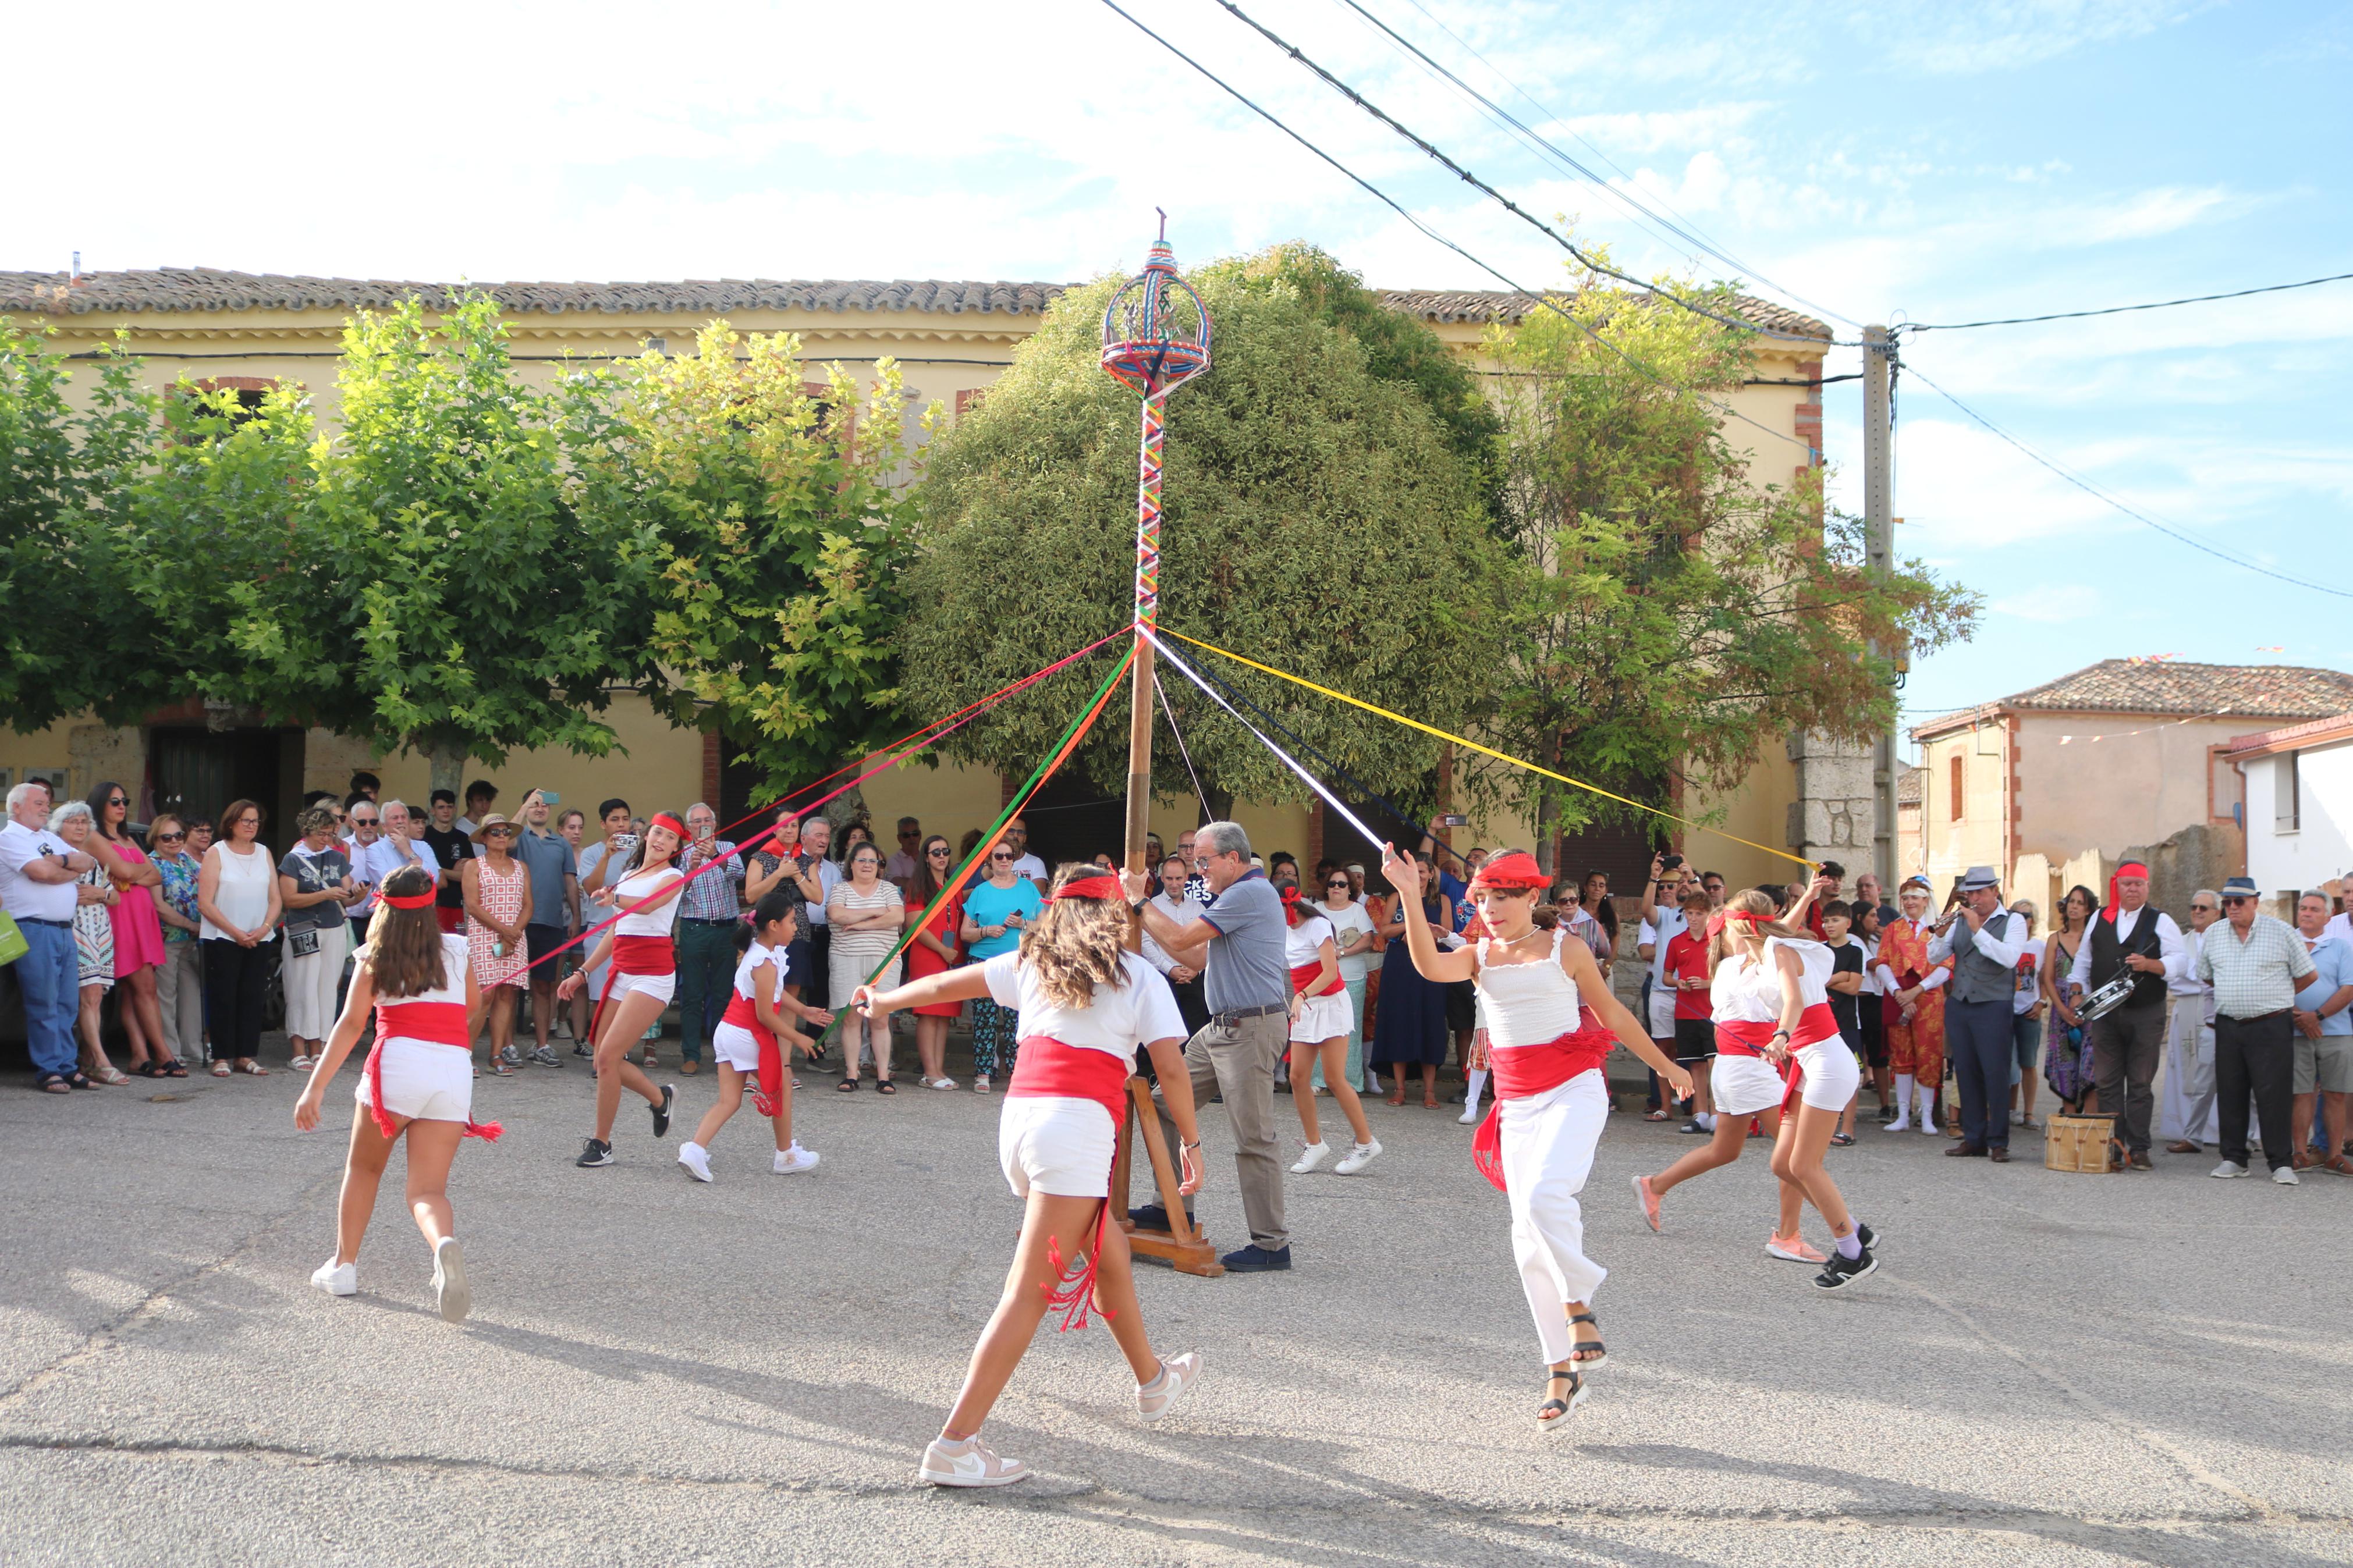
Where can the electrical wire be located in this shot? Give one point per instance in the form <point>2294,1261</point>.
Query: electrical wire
<point>2120,310</point>
<point>2093,491</point>
<point>1813,453</point>
<point>1476,183</point>
<point>1696,243</point>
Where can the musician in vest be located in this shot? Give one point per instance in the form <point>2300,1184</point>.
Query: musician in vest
<point>2129,937</point>
<point>1982,942</point>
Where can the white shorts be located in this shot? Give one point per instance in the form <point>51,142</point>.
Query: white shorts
<point>1056,1145</point>
<point>661,987</point>
<point>430,1083</point>
<point>1663,1012</point>
<point>1325,1018</point>
<point>1831,1076</point>
<point>734,1045</point>
<point>1742,1086</point>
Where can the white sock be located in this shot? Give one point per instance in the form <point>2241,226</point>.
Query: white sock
<point>1903,1093</point>
<point>1478,1087</point>
<point>1705,1118</point>
<point>1927,1104</point>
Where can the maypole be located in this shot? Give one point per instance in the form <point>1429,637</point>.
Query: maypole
<point>1156,338</point>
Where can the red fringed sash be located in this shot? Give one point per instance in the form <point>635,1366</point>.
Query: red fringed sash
<point>427,1022</point>
<point>1525,1070</point>
<point>768,1086</point>
<point>1045,1066</point>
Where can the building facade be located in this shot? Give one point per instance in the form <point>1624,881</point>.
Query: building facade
<point>2299,807</point>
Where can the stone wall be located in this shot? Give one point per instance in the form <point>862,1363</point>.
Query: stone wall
<point>1834,813</point>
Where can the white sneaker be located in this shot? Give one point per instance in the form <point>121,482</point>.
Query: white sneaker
<point>450,1291</point>
<point>1156,1398</point>
<point>794,1159</point>
<point>2284,1176</point>
<point>337,1279</point>
<point>968,1462</point>
<point>696,1159</point>
<point>1362,1155</point>
<point>2227,1171</point>
<point>1315,1154</point>
<point>1930,1129</point>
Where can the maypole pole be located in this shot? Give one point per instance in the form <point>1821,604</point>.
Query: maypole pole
<point>1156,338</point>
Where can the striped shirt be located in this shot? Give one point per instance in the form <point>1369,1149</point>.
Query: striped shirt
<point>2254,975</point>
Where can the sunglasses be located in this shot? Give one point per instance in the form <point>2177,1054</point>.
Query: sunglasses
<point>2228,902</point>
<point>941,851</point>
<point>118,800</point>
<point>169,837</point>
<point>912,833</point>
<point>1000,855</point>
<point>1337,882</point>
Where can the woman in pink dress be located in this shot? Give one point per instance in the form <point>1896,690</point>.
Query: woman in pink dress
<point>498,908</point>
<point>138,931</point>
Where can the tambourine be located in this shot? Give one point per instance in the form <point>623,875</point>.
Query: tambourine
<point>2108,997</point>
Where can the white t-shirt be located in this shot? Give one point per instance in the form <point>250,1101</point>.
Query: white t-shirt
<point>1117,1022</point>
<point>1353,966</point>
<point>1031,867</point>
<point>2029,976</point>
<point>20,893</point>
<point>1301,941</point>
<point>1660,932</point>
<point>453,973</point>
<point>753,957</point>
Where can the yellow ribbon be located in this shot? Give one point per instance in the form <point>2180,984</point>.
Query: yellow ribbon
<point>1486,751</point>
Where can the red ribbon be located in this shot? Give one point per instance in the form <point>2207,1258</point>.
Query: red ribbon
<point>1045,1066</point>
<point>1105,887</point>
<point>2129,868</point>
<point>423,900</point>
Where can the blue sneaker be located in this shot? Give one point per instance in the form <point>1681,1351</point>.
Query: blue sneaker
<point>1257,1259</point>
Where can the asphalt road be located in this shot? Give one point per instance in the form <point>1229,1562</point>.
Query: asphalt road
<point>2148,1369</point>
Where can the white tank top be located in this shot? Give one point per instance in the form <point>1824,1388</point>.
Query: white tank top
<point>645,885</point>
<point>242,893</point>
<point>1529,1003</point>
<point>453,973</point>
<point>1748,990</point>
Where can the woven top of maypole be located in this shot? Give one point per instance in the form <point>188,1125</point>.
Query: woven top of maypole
<point>1156,332</point>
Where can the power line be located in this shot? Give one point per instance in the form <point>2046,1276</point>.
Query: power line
<point>2093,491</point>
<point>1542,301</point>
<point>1674,225</point>
<point>2119,310</point>
<point>1361,101</point>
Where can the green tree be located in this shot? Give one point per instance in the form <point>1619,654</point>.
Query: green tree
<point>1670,615</point>
<point>1317,515</point>
<point>66,478</point>
<point>779,531</point>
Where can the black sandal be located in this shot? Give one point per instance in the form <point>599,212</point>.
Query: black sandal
<point>1554,1412</point>
<point>52,1083</point>
<point>847,1086</point>
<point>1600,1352</point>
<point>884,1086</point>
<point>175,1068</point>
<point>81,1080</point>
<point>146,1070</point>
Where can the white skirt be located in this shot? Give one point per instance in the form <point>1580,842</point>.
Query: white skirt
<point>661,987</point>
<point>1831,1076</point>
<point>1057,1145</point>
<point>1742,1086</point>
<point>427,1081</point>
<point>1325,1018</point>
<point>736,1047</point>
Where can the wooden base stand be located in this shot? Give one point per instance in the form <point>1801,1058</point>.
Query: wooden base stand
<point>1182,1246</point>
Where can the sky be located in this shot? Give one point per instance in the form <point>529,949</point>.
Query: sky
<point>1896,161</point>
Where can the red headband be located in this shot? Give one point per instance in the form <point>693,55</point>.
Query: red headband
<point>423,900</point>
<point>1717,921</point>
<point>664,819</point>
<point>1105,887</point>
<point>1515,872</point>
<point>2129,868</point>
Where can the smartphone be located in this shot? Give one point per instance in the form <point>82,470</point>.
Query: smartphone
<point>550,799</point>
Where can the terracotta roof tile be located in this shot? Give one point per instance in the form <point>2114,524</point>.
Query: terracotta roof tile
<point>2294,737</point>
<point>177,289</point>
<point>2190,690</point>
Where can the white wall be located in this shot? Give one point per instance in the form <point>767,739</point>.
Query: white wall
<point>2321,847</point>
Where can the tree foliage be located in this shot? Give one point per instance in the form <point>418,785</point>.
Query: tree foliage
<point>778,533</point>
<point>66,476</point>
<point>1672,614</point>
<point>1316,517</point>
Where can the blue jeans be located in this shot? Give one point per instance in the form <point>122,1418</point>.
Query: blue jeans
<point>2026,1041</point>
<point>1978,1044</point>
<point>50,976</point>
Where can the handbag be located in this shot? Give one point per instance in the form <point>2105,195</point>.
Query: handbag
<point>302,943</point>
<point>13,945</point>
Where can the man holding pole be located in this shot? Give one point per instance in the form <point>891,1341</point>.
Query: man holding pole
<point>1237,943</point>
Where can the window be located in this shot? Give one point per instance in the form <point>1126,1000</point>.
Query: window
<point>1959,785</point>
<point>2286,806</point>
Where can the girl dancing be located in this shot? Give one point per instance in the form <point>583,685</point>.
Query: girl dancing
<point>1321,1018</point>
<point>751,1040</point>
<point>1084,1007</point>
<point>644,974</point>
<point>1550,1101</point>
<point>420,1080</point>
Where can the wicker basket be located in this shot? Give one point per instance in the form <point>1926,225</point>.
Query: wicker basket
<point>2082,1144</point>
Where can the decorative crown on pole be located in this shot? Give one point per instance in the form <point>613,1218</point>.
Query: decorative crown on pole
<point>1155,332</point>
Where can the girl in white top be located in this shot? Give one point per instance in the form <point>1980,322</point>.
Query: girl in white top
<point>1551,1019</point>
<point>644,973</point>
<point>419,1081</point>
<point>1320,1018</point>
<point>759,1005</point>
<point>1084,1006</point>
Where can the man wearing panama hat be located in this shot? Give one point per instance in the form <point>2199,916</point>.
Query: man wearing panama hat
<point>1983,942</point>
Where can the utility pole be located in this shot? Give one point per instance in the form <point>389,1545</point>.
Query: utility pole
<point>1879,552</point>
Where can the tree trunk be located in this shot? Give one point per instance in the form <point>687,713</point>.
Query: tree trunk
<point>448,763</point>
<point>1221,801</point>
<point>845,808</point>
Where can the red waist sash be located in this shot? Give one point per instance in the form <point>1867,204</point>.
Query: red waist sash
<point>426,1023</point>
<point>1305,972</point>
<point>741,1013</point>
<point>1521,1071</point>
<point>768,1086</point>
<point>1748,1037</point>
<point>643,955</point>
<point>1045,1066</point>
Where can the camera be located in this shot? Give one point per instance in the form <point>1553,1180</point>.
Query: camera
<point>1672,863</point>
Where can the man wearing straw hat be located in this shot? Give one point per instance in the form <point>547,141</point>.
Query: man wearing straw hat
<point>2255,965</point>
<point>1983,942</point>
<point>2129,937</point>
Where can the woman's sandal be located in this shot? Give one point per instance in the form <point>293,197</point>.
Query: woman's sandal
<point>81,1080</point>
<point>1660,1115</point>
<point>847,1086</point>
<point>173,1068</point>
<point>884,1086</point>
<point>52,1083</point>
<point>1554,1412</point>
<point>251,1069</point>
<point>1578,1348</point>
<point>220,1068</point>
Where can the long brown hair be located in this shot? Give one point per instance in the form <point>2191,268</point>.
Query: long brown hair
<point>1075,943</point>
<point>927,886</point>
<point>1755,901</point>
<point>404,955</point>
